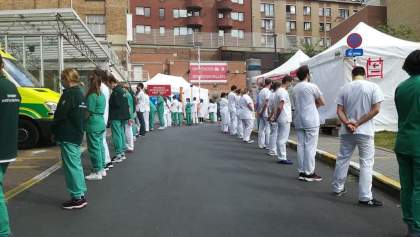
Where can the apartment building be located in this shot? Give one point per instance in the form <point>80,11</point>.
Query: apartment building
<point>295,22</point>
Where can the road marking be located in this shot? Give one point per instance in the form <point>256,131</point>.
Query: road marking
<point>23,166</point>
<point>31,182</point>
<point>38,152</point>
<point>37,158</point>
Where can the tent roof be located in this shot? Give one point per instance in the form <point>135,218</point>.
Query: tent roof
<point>292,64</point>
<point>372,38</point>
<point>163,79</point>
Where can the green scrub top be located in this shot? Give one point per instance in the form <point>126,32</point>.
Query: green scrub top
<point>152,107</point>
<point>130,101</point>
<point>96,107</point>
<point>407,101</point>
<point>188,107</point>
<point>160,104</point>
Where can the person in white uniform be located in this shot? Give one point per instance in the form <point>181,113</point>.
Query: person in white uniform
<point>224,113</point>
<point>142,107</point>
<point>107,93</point>
<point>307,98</point>
<point>272,145</point>
<point>180,112</point>
<point>282,116</point>
<point>263,124</point>
<point>147,111</point>
<point>194,111</point>
<point>167,112</point>
<point>240,127</point>
<point>358,102</point>
<point>233,123</point>
<point>212,111</point>
<point>247,115</point>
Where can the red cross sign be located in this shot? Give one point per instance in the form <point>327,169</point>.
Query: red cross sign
<point>375,68</point>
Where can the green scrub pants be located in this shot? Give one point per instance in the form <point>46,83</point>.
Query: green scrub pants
<point>4,216</point>
<point>118,136</point>
<point>212,119</point>
<point>409,168</point>
<point>189,118</point>
<point>174,118</point>
<point>152,120</point>
<point>73,169</point>
<point>161,118</point>
<point>180,118</point>
<point>96,150</point>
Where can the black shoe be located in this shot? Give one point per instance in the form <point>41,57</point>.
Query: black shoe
<point>371,203</point>
<point>313,177</point>
<point>302,176</point>
<point>75,204</point>
<point>109,165</point>
<point>340,193</point>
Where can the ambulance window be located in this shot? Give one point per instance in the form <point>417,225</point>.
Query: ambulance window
<point>19,74</point>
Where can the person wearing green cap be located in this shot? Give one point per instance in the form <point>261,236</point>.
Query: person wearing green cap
<point>9,105</point>
<point>68,129</point>
<point>161,111</point>
<point>188,112</point>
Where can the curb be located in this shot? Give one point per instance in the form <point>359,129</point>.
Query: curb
<point>387,184</point>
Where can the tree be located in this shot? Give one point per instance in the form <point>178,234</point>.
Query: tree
<point>311,49</point>
<point>402,31</point>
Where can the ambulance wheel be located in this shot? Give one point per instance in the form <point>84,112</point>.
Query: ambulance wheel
<point>28,134</point>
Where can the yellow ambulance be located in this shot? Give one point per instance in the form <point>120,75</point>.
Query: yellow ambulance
<point>37,107</point>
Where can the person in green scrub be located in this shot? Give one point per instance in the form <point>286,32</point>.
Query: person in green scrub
<point>152,116</point>
<point>407,146</point>
<point>95,126</point>
<point>9,105</point>
<point>188,112</point>
<point>68,129</point>
<point>129,137</point>
<point>161,110</point>
<point>119,114</point>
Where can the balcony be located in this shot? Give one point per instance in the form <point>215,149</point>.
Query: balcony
<point>195,21</point>
<point>225,23</point>
<point>194,4</point>
<point>224,5</point>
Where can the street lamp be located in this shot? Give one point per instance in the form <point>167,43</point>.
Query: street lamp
<point>198,46</point>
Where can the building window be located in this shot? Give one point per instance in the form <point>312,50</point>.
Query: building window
<point>162,13</point>
<point>182,31</point>
<point>290,9</point>
<point>142,29</point>
<point>267,40</point>
<point>290,26</point>
<point>344,13</point>
<point>307,40</point>
<point>221,33</point>
<point>96,24</point>
<point>291,41</point>
<point>327,27</point>
<point>321,27</point>
<point>237,16</point>
<point>143,11</point>
<point>267,25</point>
<point>238,1</point>
<point>162,30</point>
<point>138,72</point>
<point>307,26</point>
<point>193,13</point>
<point>327,11</point>
<point>180,13</point>
<point>267,9</point>
<point>221,15</point>
<point>235,33</point>
<point>306,10</point>
<point>328,42</point>
<point>321,11</point>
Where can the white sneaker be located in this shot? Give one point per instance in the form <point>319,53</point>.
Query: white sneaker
<point>123,157</point>
<point>94,176</point>
<point>270,153</point>
<point>250,141</point>
<point>161,128</point>
<point>103,173</point>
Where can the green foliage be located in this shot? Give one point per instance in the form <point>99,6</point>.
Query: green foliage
<point>311,49</point>
<point>402,31</point>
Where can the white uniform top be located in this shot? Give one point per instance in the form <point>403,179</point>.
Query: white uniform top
<point>141,97</point>
<point>174,105</point>
<point>357,98</point>
<point>262,97</point>
<point>224,104</point>
<point>165,107</point>
<point>180,109</point>
<point>147,102</point>
<point>286,114</point>
<point>201,110</point>
<point>245,112</point>
<point>232,102</point>
<point>194,108</point>
<point>304,95</point>
<point>107,93</point>
<point>212,108</point>
<point>237,99</point>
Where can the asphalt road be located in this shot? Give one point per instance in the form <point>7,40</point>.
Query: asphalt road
<point>196,182</point>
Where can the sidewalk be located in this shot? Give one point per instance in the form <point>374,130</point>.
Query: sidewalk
<point>386,165</point>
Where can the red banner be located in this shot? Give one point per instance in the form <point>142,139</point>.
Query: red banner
<point>208,73</point>
<point>154,90</point>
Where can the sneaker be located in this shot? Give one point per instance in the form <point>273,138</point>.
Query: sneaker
<point>75,204</point>
<point>109,166</point>
<point>161,128</point>
<point>106,168</point>
<point>271,153</point>
<point>123,157</point>
<point>340,193</point>
<point>130,151</point>
<point>371,203</point>
<point>285,162</point>
<point>262,147</point>
<point>313,177</point>
<point>103,173</point>
<point>117,159</point>
<point>94,176</point>
<point>250,141</point>
<point>301,176</point>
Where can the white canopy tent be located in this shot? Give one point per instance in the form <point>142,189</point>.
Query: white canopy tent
<point>290,65</point>
<point>331,70</point>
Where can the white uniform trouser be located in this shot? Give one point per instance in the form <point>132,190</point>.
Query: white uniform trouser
<point>272,146</point>
<point>129,138</point>
<point>233,123</point>
<point>248,125</point>
<point>283,131</point>
<point>169,119</point>
<point>306,149</point>
<point>146,120</point>
<point>195,117</point>
<point>366,147</point>
<point>240,127</point>
<point>263,132</point>
<point>107,156</point>
<point>225,120</point>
